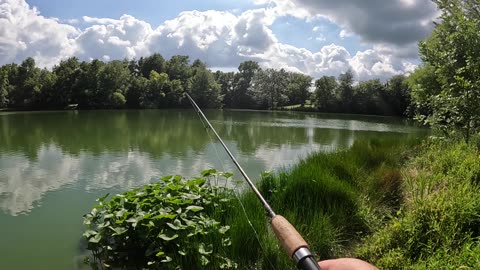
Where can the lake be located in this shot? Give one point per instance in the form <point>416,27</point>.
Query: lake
<point>53,165</point>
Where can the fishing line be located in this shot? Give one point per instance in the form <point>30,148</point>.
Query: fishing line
<point>257,236</point>
<point>292,242</point>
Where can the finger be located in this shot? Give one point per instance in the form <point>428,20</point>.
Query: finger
<point>327,264</point>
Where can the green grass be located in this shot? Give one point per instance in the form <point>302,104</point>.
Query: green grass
<point>298,106</point>
<point>308,105</point>
<point>324,197</point>
<point>398,206</point>
<point>438,226</point>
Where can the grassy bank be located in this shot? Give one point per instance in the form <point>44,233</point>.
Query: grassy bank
<point>438,225</point>
<point>333,199</point>
<point>397,205</point>
<point>406,206</point>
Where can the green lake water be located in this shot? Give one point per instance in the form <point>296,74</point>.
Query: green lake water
<point>53,165</point>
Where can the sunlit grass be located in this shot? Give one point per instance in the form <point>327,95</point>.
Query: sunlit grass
<point>324,198</point>
<point>438,226</point>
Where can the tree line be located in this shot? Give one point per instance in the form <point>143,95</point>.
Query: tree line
<point>444,92</point>
<point>153,82</point>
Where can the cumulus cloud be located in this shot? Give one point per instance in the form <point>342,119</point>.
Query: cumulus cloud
<point>220,38</point>
<point>345,33</point>
<point>24,32</point>
<point>395,22</point>
<point>205,35</point>
<point>113,39</point>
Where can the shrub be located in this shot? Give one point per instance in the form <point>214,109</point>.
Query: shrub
<point>175,223</point>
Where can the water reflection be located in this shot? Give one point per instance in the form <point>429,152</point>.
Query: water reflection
<point>23,182</point>
<point>92,151</point>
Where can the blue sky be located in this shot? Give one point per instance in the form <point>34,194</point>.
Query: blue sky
<point>153,11</point>
<point>374,39</point>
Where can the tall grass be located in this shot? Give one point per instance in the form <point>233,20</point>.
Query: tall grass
<point>438,225</point>
<point>325,198</point>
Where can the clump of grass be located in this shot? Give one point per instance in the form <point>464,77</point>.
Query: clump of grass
<point>324,197</point>
<point>438,225</point>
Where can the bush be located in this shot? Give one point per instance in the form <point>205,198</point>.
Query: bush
<point>175,223</point>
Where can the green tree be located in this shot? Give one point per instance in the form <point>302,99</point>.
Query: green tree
<point>452,53</point>
<point>324,95</point>
<point>175,95</point>
<point>4,87</point>
<point>178,68</point>
<point>113,78</point>
<point>205,90</point>
<point>242,96</point>
<point>146,65</point>
<point>227,83</point>
<point>198,64</point>
<point>269,88</point>
<point>67,74</point>
<point>136,92</point>
<point>424,85</point>
<point>27,88</point>
<point>345,91</point>
<point>367,98</point>
<point>298,88</point>
<point>45,87</point>
<point>397,95</point>
<point>87,86</point>
<point>155,94</point>
<point>118,100</point>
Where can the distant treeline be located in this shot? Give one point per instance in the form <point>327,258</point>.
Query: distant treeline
<point>153,82</point>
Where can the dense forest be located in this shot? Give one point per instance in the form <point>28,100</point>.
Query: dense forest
<point>153,82</point>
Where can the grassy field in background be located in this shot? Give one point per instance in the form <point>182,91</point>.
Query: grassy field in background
<point>308,104</point>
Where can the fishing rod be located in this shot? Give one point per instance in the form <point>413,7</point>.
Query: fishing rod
<point>291,241</point>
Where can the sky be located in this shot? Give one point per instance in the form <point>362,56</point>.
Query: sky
<point>373,38</point>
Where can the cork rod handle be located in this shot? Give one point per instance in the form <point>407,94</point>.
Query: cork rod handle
<point>288,236</point>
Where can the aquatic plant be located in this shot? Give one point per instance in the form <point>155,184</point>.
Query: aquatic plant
<point>175,223</point>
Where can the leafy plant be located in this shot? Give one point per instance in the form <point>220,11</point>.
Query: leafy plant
<point>175,223</point>
<point>445,91</point>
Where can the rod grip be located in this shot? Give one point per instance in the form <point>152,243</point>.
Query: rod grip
<point>288,236</point>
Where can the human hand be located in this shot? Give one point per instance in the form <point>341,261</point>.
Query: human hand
<point>346,264</point>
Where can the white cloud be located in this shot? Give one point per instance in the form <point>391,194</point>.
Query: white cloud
<point>115,39</point>
<point>197,34</point>
<point>73,21</point>
<point>344,34</point>
<point>24,32</point>
<point>395,22</point>
<point>93,20</point>
<point>220,38</point>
